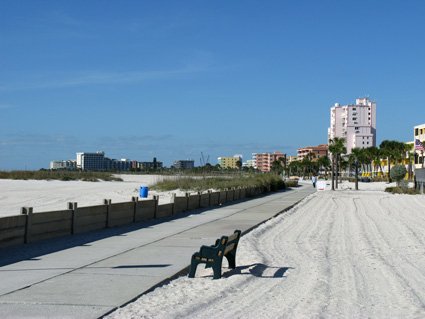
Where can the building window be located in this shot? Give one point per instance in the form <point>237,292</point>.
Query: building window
<point>416,131</point>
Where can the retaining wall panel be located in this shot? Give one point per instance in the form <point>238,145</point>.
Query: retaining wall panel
<point>230,195</point>
<point>223,197</point>
<point>48,217</point>
<point>121,214</point>
<point>164,210</point>
<point>180,204</point>
<point>236,194</point>
<point>145,210</point>
<point>12,222</point>
<point>12,230</point>
<point>49,235</point>
<point>193,202</point>
<point>51,224</point>
<point>205,200</point>
<point>54,226</point>
<point>90,218</point>
<point>214,198</point>
<point>243,193</point>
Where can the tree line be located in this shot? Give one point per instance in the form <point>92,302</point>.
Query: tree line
<point>366,160</point>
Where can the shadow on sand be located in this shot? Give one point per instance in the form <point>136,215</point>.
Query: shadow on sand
<point>258,270</point>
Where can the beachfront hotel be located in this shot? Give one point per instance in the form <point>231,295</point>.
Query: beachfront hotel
<point>315,151</point>
<point>356,123</point>
<point>264,161</point>
<point>91,161</point>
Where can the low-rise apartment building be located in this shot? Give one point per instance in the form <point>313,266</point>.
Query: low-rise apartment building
<point>230,162</point>
<point>291,158</point>
<point>264,161</point>
<point>314,151</point>
<point>65,164</point>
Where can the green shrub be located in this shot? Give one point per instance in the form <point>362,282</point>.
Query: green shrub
<point>291,183</point>
<point>401,190</point>
<point>398,172</point>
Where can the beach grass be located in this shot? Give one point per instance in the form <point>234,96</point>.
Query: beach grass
<point>199,184</point>
<point>59,175</point>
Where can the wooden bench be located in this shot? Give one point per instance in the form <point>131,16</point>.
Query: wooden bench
<point>212,256</point>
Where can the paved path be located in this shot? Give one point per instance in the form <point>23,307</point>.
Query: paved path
<point>86,276</point>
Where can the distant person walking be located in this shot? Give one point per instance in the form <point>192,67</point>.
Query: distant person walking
<point>314,180</point>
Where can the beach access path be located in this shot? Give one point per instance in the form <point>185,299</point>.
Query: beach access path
<point>88,275</point>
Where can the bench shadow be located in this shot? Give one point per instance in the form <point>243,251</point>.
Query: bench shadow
<point>258,270</point>
<point>141,266</point>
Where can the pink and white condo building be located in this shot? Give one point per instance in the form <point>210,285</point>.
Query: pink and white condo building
<point>356,123</point>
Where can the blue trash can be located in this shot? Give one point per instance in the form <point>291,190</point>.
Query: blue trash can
<point>144,191</point>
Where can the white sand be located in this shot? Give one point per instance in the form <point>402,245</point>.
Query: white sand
<point>342,254</point>
<point>54,195</point>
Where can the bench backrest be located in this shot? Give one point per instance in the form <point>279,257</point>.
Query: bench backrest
<point>232,241</point>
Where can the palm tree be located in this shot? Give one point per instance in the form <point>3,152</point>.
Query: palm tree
<point>324,163</point>
<point>336,147</point>
<point>356,156</point>
<point>375,155</point>
<point>392,150</point>
<point>294,168</point>
<point>277,167</point>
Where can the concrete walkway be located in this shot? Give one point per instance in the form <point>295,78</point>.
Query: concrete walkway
<point>89,275</point>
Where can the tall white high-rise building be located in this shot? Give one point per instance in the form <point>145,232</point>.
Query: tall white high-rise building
<point>356,123</point>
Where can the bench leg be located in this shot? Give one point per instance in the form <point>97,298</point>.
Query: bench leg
<point>231,258</point>
<point>193,265</point>
<point>217,270</point>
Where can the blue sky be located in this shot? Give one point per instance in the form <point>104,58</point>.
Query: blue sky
<point>172,79</point>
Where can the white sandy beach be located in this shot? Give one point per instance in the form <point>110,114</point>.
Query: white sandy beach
<point>342,254</point>
<point>54,195</point>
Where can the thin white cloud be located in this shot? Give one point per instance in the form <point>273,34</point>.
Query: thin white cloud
<point>104,78</point>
